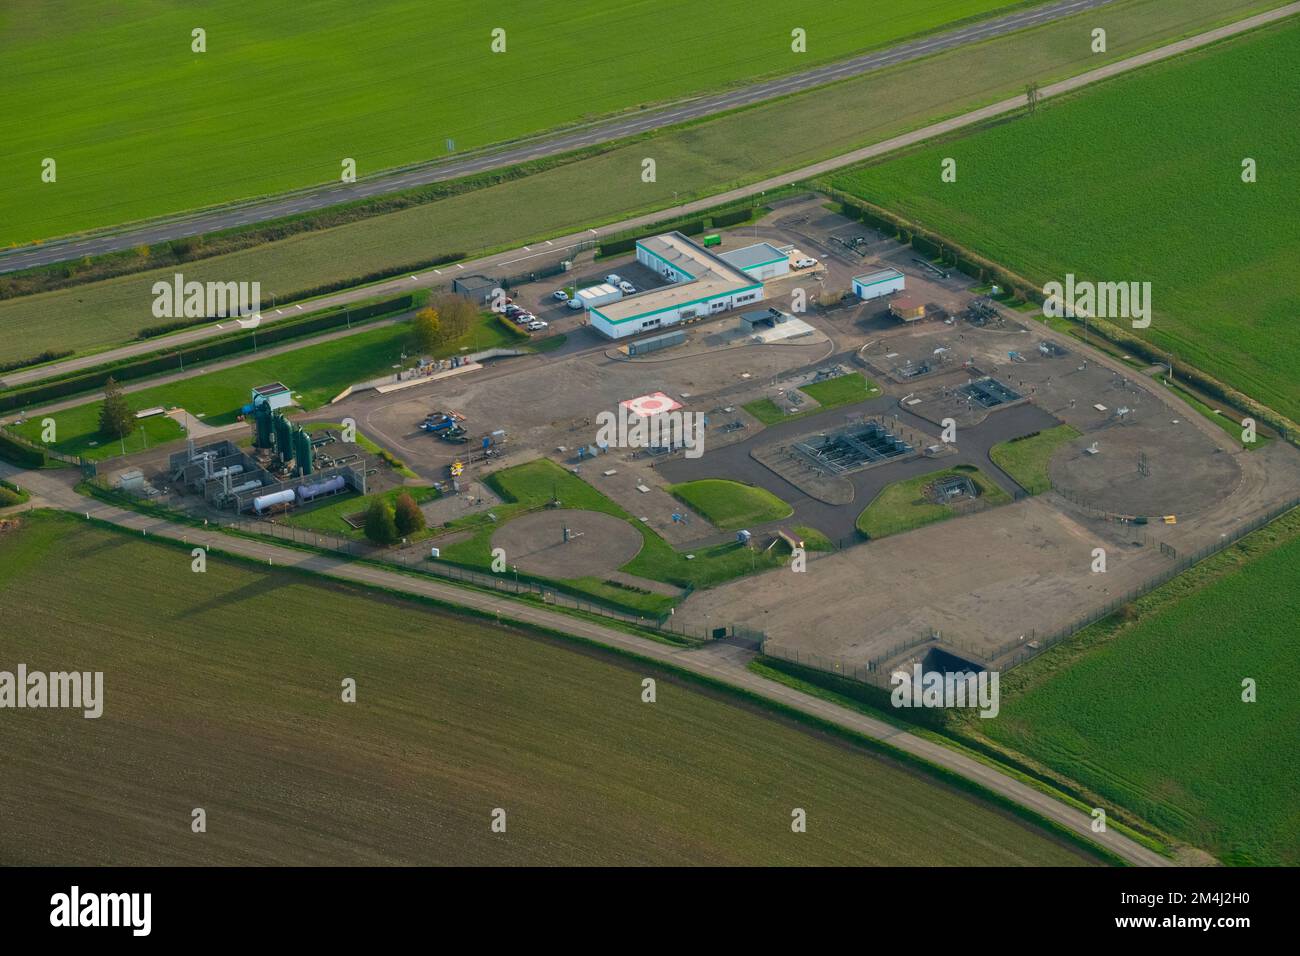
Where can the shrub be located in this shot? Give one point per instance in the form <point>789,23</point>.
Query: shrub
<point>407,515</point>
<point>381,524</point>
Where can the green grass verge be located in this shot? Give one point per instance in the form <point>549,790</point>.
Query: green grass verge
<point>731,505</point>
<point>1026,459</point>
<point>1227,423</point>
<point>316,373</point>
<point>903,505</point>
<point>813,540</point>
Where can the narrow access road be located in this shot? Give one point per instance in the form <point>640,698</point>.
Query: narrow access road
<point>55,488</point>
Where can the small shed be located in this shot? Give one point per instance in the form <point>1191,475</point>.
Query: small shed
<point>906,308</point>
<point>276,394</point>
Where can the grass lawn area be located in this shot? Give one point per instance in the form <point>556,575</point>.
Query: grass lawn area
<point>1142,207</point>
<point>813,540</point>
<point>328,515</point>
<point>1149,713</point>
<point>731,505</point>
<point>780,135</point>
<point>1026,459</point>
<point>841,390</point>
<point>316,373</point>
<point>455,716</point>
<point>829,393</point>
<point>903,505</point>
<point>532,485</point>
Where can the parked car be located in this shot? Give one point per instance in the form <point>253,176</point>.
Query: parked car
<point>805,263</point>
<point>627,287</point>
<point>614,279</point>
<point>560,295</point>
<point>536,325</point>
<point>513,310</point>
<point>523,318</point>
<point>574,303</point>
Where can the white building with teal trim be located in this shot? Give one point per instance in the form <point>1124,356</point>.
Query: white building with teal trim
<point>873,285</point>
<point>701,285</point>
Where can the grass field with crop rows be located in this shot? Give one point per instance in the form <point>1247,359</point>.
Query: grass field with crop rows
<point>1141,180</point>
<point>222,690</point>
<point>1153,717</point>
<point>139,124</point>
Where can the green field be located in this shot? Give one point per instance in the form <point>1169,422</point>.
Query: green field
<point>694,161</point>
<point>1150,714</point>
<point>1026,459</point>
<point>222,690</point>
<point>903,505</point>
<point>731,505</point>
<point>1107,186</point>
<point>140,125</point>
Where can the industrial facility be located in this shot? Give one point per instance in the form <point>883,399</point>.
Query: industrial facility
<point>702,284</point>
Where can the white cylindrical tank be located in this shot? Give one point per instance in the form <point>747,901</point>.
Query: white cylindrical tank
<point>329,485</point>
<point>262,502</point>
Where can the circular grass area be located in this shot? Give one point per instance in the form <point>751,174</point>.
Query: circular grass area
<point>731,505</point>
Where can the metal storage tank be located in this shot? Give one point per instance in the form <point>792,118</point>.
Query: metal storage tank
<point>262,502</point>
<point>328,486</point>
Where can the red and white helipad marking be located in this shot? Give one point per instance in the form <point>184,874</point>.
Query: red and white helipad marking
<point>647,406</point>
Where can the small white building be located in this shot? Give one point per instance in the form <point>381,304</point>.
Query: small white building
<point>873,285</point>
<point>596,295</point>
<point>276,394</point>
<point>701,285</point>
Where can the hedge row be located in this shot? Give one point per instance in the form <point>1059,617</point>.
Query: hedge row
<point>49,355</point>
<point>19,453</point>
<point>724,219</point>
<point>94,379</point>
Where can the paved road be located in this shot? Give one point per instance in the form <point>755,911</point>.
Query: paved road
<point>55,489</point>
<point>517,260</point>
<point>322,197</point>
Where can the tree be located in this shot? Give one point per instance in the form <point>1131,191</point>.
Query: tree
<point>116,420</point>
<point>426,331</point>
<point>381,527</point>
<point>407,515</point>
<point>456,314</point>
<point>1031,97</point>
